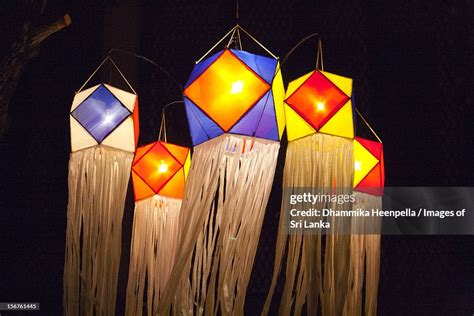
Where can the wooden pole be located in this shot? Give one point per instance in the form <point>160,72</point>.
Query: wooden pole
<point>22,52</point>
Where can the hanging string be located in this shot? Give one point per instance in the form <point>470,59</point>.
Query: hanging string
<point>162,133</point>
<point>368,125</point>
<point>148,60</point>
<point>217,44</point>
<point>235,29</point>
<point>162,127</point>
<point>256,41</point>
<point>293,49</point>
<point>319,55</point>
<point>237,9</point>
<point>296,46</point>
<point>107,58</point>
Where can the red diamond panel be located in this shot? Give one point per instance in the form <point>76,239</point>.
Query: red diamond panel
<point>317,100</point>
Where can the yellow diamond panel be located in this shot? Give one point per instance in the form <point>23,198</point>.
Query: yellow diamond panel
<point>296,126</point>
<point>278,91</point>
<point>341,124</point>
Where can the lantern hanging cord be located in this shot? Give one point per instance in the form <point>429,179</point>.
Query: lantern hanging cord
<point>148,60</point>
<point>237,9</point>
<point>291,51</point>
<point>163,120</point>
<point>107,58</point>
<point>368,125</point>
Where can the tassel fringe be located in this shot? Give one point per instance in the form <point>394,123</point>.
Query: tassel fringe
<point>153,249</point>
<point>226,195</point>
<point>98,182</point>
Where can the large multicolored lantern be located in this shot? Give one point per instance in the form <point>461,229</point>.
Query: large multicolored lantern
<point>159,171</point>
<point>235,92</point>
<point>104,131</point>
<point>234,104</point>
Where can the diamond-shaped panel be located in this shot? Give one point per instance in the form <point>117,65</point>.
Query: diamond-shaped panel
<point>226,90</point>
<point>100,113</point>
<point>317,100</point>
<point>156,167</point>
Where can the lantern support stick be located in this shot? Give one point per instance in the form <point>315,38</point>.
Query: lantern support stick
<point>319,55</point>
<point>238,36</point>
<point>107,58</point>
<point>212,48</point>
<point>121,74</point>
<point>231,38</point>
<point>255,40</point>
<point>163,120</point>
<point>368,125</point>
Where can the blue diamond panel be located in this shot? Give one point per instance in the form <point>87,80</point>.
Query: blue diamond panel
<point>264,66</point>
<point>202,128</point>
<point>100,113</point>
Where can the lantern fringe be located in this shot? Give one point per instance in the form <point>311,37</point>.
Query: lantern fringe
<point>98,182</point>
<point>316,266</point>
<point>365,248</point>
<point>225,199</point>
<point>153,249</point>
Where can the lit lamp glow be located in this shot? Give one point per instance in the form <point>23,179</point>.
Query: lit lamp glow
<point>162,168</point>
<point>237,87</point>
<point>320,106</point>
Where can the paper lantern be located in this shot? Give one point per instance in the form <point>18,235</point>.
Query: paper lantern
<point>369,179</point>
<point>159,171</point>
<point>104,133</point>
<point>319,102</point>
<point>369,174</point>
<point>234,105</point>
<point>104,115</point>
<point>235,92</point>
<point>160,168</point>
<point>320,129</point>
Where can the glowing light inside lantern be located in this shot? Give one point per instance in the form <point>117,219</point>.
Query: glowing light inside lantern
<point>237,87</point>
<point>357,165</point>
<point>108,118</point>
<point>162,167</point>
<point>320,106</point>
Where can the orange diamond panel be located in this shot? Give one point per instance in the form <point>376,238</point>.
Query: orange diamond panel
<point>156,167</point>
<point>227,90</point>
<point>317,100</point>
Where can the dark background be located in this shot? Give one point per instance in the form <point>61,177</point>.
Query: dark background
<point>412,65</point>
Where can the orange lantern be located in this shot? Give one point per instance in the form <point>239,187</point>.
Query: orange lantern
<point>159,172</point>
<point>160,168</point>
